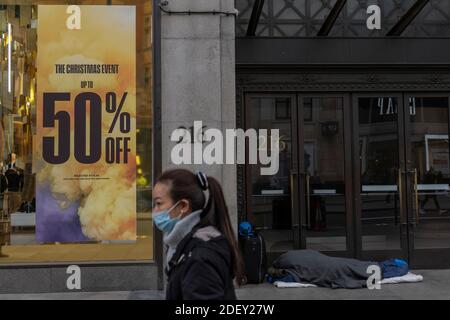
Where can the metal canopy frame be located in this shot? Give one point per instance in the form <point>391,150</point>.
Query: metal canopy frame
<point>402,24</point>
<point>331,18</point>
<point>254,18</point>
<point>406,19</point>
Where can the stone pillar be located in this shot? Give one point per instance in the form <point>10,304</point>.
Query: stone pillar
<point>198,79</point>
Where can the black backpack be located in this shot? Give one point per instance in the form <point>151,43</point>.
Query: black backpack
<point>254,254</point>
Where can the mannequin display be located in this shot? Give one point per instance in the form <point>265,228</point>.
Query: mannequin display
<point>15,180</point>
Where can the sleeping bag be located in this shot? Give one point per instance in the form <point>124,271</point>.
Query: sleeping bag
<point>309,266</point>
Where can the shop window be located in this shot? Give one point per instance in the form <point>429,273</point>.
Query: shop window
<point>25,234</point>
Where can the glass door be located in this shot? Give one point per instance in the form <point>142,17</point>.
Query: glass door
<point>379,165</point>
<point>325,173</point>
<point>368,179</point>
<point>428,178</point>
<point>272,202</point>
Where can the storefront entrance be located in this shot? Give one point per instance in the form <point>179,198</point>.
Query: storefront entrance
<point>361,175</point>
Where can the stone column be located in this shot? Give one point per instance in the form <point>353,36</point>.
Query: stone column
<point>198,79</point>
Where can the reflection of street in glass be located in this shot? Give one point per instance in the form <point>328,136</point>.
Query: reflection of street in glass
<point>431,177</point>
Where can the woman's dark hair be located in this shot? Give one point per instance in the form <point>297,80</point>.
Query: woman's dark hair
<point>187,185</point>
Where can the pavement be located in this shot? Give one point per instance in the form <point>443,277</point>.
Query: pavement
<point>436,286</point>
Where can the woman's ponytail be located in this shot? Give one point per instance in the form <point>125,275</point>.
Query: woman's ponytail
<point>216,214</point>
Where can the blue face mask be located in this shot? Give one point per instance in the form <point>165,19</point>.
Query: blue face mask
<point>163,221</point>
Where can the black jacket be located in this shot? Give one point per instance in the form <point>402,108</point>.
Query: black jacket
<point>15,180</point>
<point>201,270</point>
<point>3,183</point>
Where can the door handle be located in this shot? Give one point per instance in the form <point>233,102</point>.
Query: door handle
<point>295,223</point>
<point>400,197</point>
<point>416,198</point>
<point>308,201</point>
<point>415,220</point>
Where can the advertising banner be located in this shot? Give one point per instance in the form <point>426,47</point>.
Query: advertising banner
<point>86,123</point>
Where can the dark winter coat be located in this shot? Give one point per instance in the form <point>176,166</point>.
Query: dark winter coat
<point>201,268</point>
<point>3,183</point>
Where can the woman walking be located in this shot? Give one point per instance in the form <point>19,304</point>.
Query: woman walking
<point>202,252</point>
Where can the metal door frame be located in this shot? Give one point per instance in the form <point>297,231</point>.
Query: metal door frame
<point>420,258</point>
<point>380,255</point>
<point>295,216</point>
<point>347,119</point>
